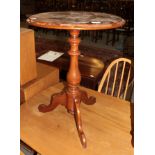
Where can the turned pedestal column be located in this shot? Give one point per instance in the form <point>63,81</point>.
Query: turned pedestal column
<point>72,96</point>
<point>73,21</point>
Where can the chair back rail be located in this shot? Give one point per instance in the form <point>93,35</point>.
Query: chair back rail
<point>122,83</point>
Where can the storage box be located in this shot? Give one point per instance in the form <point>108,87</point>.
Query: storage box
<point>46,76</point>
<point>28,69</point>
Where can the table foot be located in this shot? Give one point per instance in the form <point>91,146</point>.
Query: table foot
<point>56,99</point>
<point>72,96</point>
<point>78,121</point>
<point>87,100</point>
<point>72,104</point>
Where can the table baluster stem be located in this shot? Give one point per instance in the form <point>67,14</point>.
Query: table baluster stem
<point>72,96</point>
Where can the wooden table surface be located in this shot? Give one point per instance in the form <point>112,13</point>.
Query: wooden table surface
<point>76,20</point>
<point>21,153</point>
<point>107,125</point>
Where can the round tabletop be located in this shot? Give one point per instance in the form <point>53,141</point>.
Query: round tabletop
<point>76,20</point>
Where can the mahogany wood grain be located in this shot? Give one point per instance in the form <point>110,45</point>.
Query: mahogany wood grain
<point>72,96</point>
<point>76,20</point>
<point>107,125</point>
<point>91,69</point>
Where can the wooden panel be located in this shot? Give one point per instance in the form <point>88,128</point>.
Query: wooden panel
<point>47,76</point>
<point>107,126</point>
<point>27,56</point>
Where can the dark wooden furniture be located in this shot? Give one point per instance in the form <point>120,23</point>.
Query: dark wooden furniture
<point>72,96</point>
<point>124,9</point>
<point>27,7</point>
<point>91,69</point>
<point>107,125</point>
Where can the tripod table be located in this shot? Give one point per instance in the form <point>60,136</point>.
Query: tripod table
<point>73,21</point>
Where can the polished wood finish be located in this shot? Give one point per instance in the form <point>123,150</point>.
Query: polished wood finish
<point>122,8</point>
<point>46,76</point>
<point>107,125</point>
<point>27,56</point>
<point>76,20</point>
<point>72,96</point>
<point>107,74</point>
<point>91,69</point>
